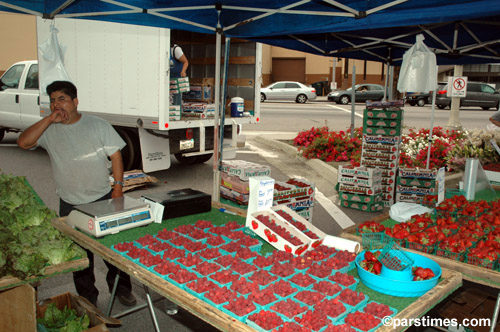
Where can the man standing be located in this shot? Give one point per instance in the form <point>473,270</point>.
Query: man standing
<point>79,146</point>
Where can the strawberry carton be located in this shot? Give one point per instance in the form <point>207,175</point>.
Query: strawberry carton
<point>390,109</point>
<point>355,181</point>
<point>493,177</point>
<point>416,182</point>
<point>314,234</point>
<point>307,213</point>
<point>410,198</point>
<point>389,180</point>
<point>244,169</point>
<point>277,232</point>
<point>232,195</point>
<point>379,163</point>
<point>415,190</point>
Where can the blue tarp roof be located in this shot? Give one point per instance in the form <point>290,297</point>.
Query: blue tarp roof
<point>378,30</point>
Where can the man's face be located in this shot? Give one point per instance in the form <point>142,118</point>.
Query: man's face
<point>63,103</point>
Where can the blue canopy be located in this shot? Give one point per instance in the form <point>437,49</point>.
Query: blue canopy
<point>460,31</point>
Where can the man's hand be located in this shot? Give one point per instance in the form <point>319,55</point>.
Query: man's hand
<point>117,191</point>
<point>58,116</point>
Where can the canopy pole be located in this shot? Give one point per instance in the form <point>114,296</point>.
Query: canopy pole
<point>429,140</point>
<point>454,120</point>
<point>390,86</point>
<point>353,99</point>
<point>386,79</point>
<point>218,109</point>
<point>224,99</point>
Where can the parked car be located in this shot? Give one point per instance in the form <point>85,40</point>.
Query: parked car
<point>363,93</point>
<point>288,91</point>
<point>478,94</point>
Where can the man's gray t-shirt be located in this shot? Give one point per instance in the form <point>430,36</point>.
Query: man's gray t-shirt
<point>79,156</point>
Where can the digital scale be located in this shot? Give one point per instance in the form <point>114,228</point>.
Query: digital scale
<point>110,216</point>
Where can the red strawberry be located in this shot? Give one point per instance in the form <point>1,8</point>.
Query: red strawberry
<point>255,225</point>
<point>288,249</point>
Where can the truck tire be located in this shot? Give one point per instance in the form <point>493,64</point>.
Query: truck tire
<point>421,102</point>
<point>131,153</point>
<point>2,134</point>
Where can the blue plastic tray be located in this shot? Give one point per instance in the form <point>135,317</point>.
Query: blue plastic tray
<point>398,287</point>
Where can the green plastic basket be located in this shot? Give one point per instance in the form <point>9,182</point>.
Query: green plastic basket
<point>395,258</point>
<point>374,241</point>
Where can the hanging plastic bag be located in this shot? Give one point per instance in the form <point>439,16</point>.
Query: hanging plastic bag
<point>51,62</point>
<point>419,69</point>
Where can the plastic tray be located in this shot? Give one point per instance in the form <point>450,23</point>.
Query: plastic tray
<point>397,287</point>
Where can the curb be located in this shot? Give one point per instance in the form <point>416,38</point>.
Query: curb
<point>319,166</point>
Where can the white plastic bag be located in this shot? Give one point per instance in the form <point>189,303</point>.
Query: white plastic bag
<point>402,211</point>
<point>419,70</point>
<point>51,62</point>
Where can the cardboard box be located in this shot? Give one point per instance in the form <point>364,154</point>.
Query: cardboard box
<point>269,234</point>
<point>306,213</point>
<point>412,198</point>
<point>415,190</point>
<point>360,172</point>
<point>367,207</point>
<point>391,123</point>
<point>375,139</point>
<point>81,305</point>
<point>359,190</point>
<point>238,198</point>
<point>244,169</point>
<point>199,92</point>
<point>415,182</point>
<point>295,220</point>
<point>418,173</point>
<point>382,114</point>
<point>355,181</point>
<point>296,193</point>
<point>379,163</point>
<point>18,313</point>
<point>367,154</point>
<point>360,198</point>
<point>390,105</point>
<point>380,147</point>
<point>494,178</point>
<point>396,131</point>
<point>234,183</point>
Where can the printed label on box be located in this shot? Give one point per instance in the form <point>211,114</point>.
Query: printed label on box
<point>409,198</point>
<point>379,155</point>
<point>418,173</point>
<point>378,163</point>
<point>244,170</point>
<point>362,206</point>
<point>387,148</point>
<point>382,123</point>
<point>381,139</point>
<point>360,172</point>
<point>382,131</point>
<point>382,114</point>
<point>370,183</point>
<point>414,190</point>
<point>415,182</point>
<point>360,198</point>
<point>359,190</point>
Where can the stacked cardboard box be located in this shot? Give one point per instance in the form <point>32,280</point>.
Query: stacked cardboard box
<point>382,127</point>
<point>179,85</point>
<point>360,188</point>
<point>174,112</point>
<point>235,176</point>
<point>199,93</point>
<point>297,194</point>
<point>413,184</point>
<point>198,110</point>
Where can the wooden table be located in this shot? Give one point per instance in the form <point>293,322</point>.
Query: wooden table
<point>451,281</point>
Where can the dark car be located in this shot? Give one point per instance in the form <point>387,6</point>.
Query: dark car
<point>363,93</point>
<point>478,94</point>
<point>419,98</point>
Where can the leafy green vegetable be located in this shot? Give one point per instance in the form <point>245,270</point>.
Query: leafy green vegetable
<point>28,241</point>
<point>65,320</point>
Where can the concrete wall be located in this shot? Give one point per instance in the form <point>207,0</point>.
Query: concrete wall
<point>17,39</point>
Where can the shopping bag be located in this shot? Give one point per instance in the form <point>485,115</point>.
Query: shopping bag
<point>419,69</point>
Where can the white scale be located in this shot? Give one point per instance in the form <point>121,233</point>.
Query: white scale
<point>110,216</point>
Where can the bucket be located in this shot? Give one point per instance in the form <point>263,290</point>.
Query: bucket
<point>237,107</point>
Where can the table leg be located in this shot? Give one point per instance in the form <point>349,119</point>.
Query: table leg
<point>151,309</point>
<point>112,298</point>
<point>495,314</point>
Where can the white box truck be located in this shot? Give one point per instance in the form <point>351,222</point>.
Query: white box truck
<point>122,75</point>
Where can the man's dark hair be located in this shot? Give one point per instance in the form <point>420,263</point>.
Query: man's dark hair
<point>65,87</point>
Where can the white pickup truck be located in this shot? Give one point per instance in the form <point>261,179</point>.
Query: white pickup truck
<point>122,75</point>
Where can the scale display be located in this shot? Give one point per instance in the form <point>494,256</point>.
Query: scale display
<point>110,216</point>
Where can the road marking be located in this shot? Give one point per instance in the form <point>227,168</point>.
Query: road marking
<point>259,133</point>
<point>334,211</point>
<point>343,109</point>
<point>9,145</point>
<point>262,152</point>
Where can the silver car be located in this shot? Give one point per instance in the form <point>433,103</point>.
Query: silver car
<point>288,91</point>
<point>363,93</point>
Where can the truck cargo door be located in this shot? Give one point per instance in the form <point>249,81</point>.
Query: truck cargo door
<point>10,110</point>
